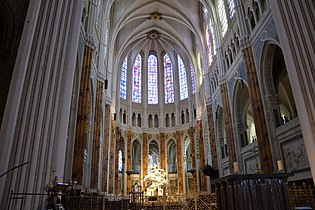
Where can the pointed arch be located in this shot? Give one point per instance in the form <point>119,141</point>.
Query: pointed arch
<point>222,16</point>
<point>183,87</point>
<point>221,133</point>
<point>154,154</point>
<point>136,84</point>
<point>123,79</point>
<point>136,156</point>
<point>168,79</point>
<point>153,97</point>
<point>172,156</point>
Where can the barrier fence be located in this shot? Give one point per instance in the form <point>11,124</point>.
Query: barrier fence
<point>299,195</point>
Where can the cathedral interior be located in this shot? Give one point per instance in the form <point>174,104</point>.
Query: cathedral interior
<point>157,104</point>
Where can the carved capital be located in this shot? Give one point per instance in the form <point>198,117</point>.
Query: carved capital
<point>90,41</point>
<point>101,76</point>
<point>245,42</point>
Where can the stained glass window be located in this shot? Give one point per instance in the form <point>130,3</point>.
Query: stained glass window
<point>136,85</point>
<point>209,44</point>
<point>192,73</point>
<point>210,39</point>
<point>152,80</point>
<point>211,25</point>
<point>231,8</point>
<point>205,12</point>
<point>98,13</point>
<point>168,80</point>
<point>222,16</point>
<point>182,78</point>
<point>123,79</point>
<point>120,163</point>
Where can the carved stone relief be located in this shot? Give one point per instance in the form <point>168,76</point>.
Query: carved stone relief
<point>294,155</point>
<point>137,135</point>
<point>226,171</point>
<point>250,165</point>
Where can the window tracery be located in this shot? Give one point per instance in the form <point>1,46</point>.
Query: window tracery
<point>168,79</point>
<point>222,16</point>
<point>152,80</point>
<point>192,74</point>
<point>182,79</point>
<point>123,79</point>
<point>231,6</point>
<point>210,35</point>
<point>136,85</point>
<point>120,163</point>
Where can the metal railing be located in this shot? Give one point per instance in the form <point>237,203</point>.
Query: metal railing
<point>302,195</point>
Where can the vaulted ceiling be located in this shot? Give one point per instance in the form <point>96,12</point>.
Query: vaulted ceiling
<point>159,26</point>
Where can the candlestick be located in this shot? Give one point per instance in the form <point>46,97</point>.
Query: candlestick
<point>235,167</point>
<point>280,165</point>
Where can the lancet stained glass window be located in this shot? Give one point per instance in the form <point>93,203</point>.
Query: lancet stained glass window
<point>136,85</point>
<point>98,13</point>
<point>182,79</point>
<point>231,8</point>
<point>211,25</point>
<point>209,44</point>
<point>123,79</point>
<point>168,80</point>
<point>205,13</point>
<point>120,163</point>
<point>222,16</point>
<point>152,80</point>
<point>209,35</point>
<point>192,74</point>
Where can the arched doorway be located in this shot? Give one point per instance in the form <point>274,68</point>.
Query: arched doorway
<point>136,157</point>
<point>221,142</point>
<point>283,122</point>
<point>172,165</point>
<point>154,157</point>
<point>121,166</point>
<point>247,151</point>
<point>188,165</point>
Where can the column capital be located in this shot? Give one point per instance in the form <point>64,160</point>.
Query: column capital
<point>221,79</point>
<point>101,76</point>
<point>90,41</point>
<point>245,42</point>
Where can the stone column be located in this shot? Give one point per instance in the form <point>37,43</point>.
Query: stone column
<point>180,179</point>
<point>96,136</point>
<point>145,156</point>
<point>201,156</point>
<point>193,152</point>
<point>176,90</point>
<point>105,150</point>
<point>265,155</point>
<point>228,126</point>
<point>113,140</point>
<point>295,23</point>
<point>117,148</point>
<point>129,165</point>
<point>84,108</point>
<point>162,151</point>
<point>214,158</point>
<point>35,123</point>
<point>82,126</point>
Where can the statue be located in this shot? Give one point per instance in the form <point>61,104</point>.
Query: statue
<point>155,182</point>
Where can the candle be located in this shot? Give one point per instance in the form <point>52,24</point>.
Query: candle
<point>235,167</point>
<point>280,165</point>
